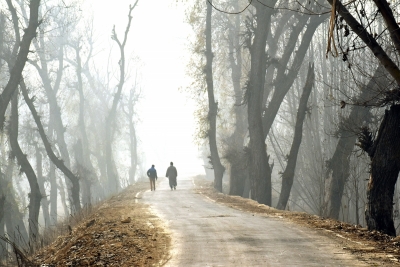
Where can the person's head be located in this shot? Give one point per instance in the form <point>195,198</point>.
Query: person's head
<point>171,163</point>
<point>152,166</point>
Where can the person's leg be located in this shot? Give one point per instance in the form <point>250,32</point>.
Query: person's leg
<point>151,185</point>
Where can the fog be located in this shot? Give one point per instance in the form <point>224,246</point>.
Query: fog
<point>166,128</point>
<point>278,102</point>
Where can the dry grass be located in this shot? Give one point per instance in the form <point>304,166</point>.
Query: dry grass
<point>119,232</point>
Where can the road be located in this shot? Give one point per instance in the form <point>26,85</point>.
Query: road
<point>205,233</point>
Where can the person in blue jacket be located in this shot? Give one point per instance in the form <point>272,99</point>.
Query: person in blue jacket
<point>152,174</point>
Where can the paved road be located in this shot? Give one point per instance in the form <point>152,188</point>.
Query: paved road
<point>205,233</point>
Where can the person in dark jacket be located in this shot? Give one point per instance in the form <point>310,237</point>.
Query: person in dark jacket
<point>152,174</point>
<point>172,173</point>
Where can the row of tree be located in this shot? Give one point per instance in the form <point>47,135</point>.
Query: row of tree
<point>62,116</point>
<point>280,92</point>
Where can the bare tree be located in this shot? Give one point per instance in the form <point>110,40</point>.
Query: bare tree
<point>112,173</point>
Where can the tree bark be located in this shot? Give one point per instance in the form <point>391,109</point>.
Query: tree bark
<point>385,167</point>
<point>288,174</point>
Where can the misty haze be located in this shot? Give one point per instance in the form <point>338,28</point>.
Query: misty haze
<point>199,133</point>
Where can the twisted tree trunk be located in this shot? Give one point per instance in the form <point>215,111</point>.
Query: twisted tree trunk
<point>58,162</point>
<point>22,57</point>
<point>35,195</point>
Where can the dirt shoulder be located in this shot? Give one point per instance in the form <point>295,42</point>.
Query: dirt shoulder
<point>373,248</point>
<point>118,232</point>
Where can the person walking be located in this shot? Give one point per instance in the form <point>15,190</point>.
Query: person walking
<point>152,174</point>
<point>172,173</point>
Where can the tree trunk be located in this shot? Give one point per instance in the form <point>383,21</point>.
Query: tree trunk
<point>2,203</point>
<point>338,166</point>
<point>3,244</point>
<point>44,202</point>
<point>219,169</point>
<point>288,174</point>
<point>112,172</point>
<point>35,196</point>
<point>53,194</point>
<point>236,155</point>
<point>259,169</point>
<point>59,163</point>
<point>22,57</point>
<point>132,145</point>
<point>83,173</point>
<point>13,218</point>
<point>84,164</point>
<point>385,167</point>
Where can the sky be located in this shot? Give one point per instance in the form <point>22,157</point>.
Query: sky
<point>159,37</point>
